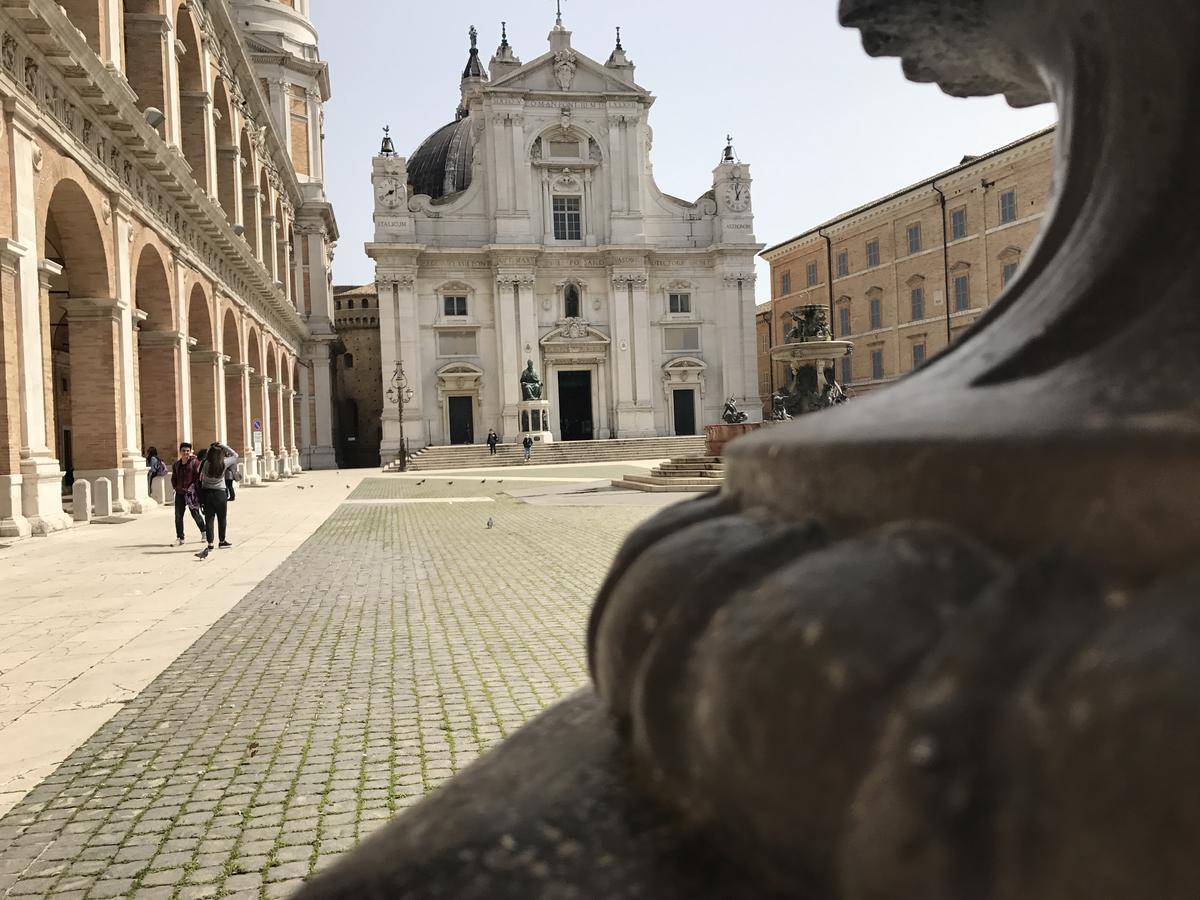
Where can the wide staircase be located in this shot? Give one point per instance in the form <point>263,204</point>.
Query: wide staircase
<point>695,473</point>
<point>476,456</point>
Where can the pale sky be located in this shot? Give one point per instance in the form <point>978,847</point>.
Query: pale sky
<point>823,127</point>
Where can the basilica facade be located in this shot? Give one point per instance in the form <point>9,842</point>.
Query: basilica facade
<point>530,229</point>
<point>165,246</point>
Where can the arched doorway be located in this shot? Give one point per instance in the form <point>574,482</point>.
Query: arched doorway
<point>203,364</point>
<point>158,356</point>
<point>82,342</point>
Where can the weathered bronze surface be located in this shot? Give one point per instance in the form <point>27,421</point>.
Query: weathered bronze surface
<point>941,643</point>
<point>531,383</point>
<point>732,415</point>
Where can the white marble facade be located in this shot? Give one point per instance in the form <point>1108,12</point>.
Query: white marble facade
<point>531,228</point>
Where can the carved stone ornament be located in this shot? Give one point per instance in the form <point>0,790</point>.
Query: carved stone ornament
<point>939,643</point>
<point>565,63</point>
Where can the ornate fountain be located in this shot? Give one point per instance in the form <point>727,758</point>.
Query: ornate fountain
<point>810,353</point>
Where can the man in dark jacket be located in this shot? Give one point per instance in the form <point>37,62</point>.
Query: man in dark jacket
<point>185,478</point>
<point>492,441</point>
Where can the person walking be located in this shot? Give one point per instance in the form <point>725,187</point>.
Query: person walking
<point>492,441</point>
<point>185,478</point>
<point>217,461</point>
<point>155,468</point>
<point>528,445</point>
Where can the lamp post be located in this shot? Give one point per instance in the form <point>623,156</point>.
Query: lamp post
<point>400,394</point>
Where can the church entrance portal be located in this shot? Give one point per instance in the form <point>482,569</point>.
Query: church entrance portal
<point>575,406</point>
<point>462,420</point>
<point>685,411</point>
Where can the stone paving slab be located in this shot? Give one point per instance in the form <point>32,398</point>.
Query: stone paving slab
<point>390,650</point>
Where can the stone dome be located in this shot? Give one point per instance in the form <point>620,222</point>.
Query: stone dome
<point>442,164</point>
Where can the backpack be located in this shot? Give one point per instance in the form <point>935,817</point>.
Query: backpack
<point>160,467</point>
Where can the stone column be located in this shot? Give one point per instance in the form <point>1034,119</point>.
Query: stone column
<point>640,336</point>
<point>97,411</point>
<point>306,444</point>
<point>281,272</point>
<point>321,318</point>
<point>316,151</point>
<point>511,364</point>
<point>252,218</point>
<point>255,390</point>
<point>174,123</point>
<point>283,455</point>
<point>13,523</point>
<point>231,157</point>
<point>389,354</point>
<point>323,455</point>
<point>40,474</point>
<point>47,271</point>
<point>270,472</point>
<point>131,490</point>
<point>621,354</point>
<point>291,400</point>
<point>270,241</point>
<point>178,272</point>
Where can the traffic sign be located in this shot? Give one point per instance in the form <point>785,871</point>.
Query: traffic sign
<point>257,425</point>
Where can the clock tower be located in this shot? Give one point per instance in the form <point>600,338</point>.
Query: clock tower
<point>389,184</point>
<point>732,192</point>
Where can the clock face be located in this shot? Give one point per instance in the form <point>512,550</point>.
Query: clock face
<point>389,192</point>
<point>737,197</point>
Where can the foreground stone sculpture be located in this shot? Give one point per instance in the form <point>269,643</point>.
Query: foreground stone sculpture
<point>843,678</point>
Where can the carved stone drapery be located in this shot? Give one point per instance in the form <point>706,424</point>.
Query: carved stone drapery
<point>941,642</point>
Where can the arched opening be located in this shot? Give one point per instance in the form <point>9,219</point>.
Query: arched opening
<point>227,151</point>
<point>258,372</point>
<point>289,406</point>
<point>203,364</point>
<point>85,426</point>
<point>87,16</point>
<point>235,401</point>
<point>291,271</point>
<point>158,356</point>
<point>249,220</point>
<point>145,61</point>
<point>193,99</point>
<point>271,420</point>
<point>571,301</point>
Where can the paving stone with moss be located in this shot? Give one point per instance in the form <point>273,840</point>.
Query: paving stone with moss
<point>395,646</point>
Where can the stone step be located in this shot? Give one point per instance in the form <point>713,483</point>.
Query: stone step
<point>670,487</point>
<point>476,456</point>
<point>694,483</point>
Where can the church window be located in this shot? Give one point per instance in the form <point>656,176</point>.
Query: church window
<point>568,219</point>
<point>877,364</point>
<point>847,370</point>
<point>1010,269</point>
<point>680,304</point>
<point>844,320</point>
<point>454,306</point>
<point>564,149</point>
<point>876,312</point>
<point>676,340</point>
<point>571,301</point>
<point>958,223</point>
<point>918,355</point>
<point>872,254</point>
<point>962,293</point>
<point>785,283</point>
<point>811,272</point>
<point>843,264</point>
<point>457,343</point>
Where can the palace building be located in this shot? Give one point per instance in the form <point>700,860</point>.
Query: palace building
<point>165,244</point>
<point>530,229</point>
<point>904,276</point>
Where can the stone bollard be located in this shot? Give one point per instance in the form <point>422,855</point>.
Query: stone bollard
<point>161,491</point>
<point>102,501</point>
<point>81,497</point>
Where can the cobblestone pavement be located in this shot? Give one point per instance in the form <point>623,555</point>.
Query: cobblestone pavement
<point>391,649</point>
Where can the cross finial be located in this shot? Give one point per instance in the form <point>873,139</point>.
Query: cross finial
<point>619,47</point>
<point>559,20</point>
<point>474,37</point>
<point>504,32</point>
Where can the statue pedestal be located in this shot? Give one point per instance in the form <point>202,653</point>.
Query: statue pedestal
<point>717,436</point>
<point>534,419</point>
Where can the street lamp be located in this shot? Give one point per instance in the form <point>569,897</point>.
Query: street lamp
<point>400,394</point>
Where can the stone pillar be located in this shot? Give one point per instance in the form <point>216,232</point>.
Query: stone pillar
<point>252,218</point>
<point>640,336</point>
<point>270,241</point>
<point>254,403</point>
<point>97,410</point>
<point>306,444</point>
<point>174,123</point>
<point>47,271</point>
<point>133,491</point>
<point>282,264</point>
<point>40,482</point>
<point>237,418</point>
<point>231,161</point>
<point>81,501</point>
<point>13,523</point>
<point>511,364</point>
<point>283,456</point>
<point>316,150</point>
<point>161,490</point>
<point>103,505</point>
<point>206,366</point>
<point>269,472</point>
<point>290,401</point>
<point>621,351</point>
<point>321,317</point>
<point>323,455</point>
